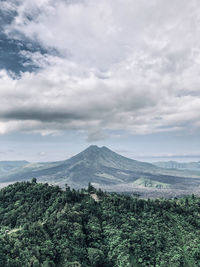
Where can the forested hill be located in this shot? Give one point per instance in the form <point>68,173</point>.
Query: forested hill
<point>42,225</point>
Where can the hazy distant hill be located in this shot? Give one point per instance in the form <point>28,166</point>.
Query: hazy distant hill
<point>8,166</point>
<point>102,167</point>
<point>195,166</point>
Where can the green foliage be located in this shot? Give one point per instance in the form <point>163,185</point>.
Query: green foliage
<point>42,225</point>
<point>34,180</point>
<point>145,182</point>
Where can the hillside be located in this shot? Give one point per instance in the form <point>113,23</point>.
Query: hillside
<point>107,169</point>
<point>45,226</point>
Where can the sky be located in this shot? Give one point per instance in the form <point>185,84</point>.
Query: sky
<point>118,73</point>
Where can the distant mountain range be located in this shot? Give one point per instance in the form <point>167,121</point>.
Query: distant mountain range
<point>194,166</point>
<point>102,167</point>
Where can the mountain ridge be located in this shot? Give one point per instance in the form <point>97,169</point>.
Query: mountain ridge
<point>178,165</point>
<point>102,167</point>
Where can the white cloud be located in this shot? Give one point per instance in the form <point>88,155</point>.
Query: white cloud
<point>131,65</point>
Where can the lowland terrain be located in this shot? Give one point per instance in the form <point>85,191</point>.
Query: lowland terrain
<point>107,170</point>
<point>42,225</point>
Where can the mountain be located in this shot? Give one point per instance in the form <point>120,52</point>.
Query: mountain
<point>104,168</point>
<point>195,166</point>
<point>7,166</point>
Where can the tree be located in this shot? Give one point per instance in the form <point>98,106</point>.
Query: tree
<point>34,180</point>
<point>91,188</point>
<point>96,257</point>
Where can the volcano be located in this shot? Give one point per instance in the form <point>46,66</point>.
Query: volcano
<point>102,167</point>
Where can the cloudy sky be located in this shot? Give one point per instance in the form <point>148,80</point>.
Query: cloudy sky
<point>120,73</point>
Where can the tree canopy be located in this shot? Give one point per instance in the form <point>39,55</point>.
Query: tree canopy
<point>42,225</point>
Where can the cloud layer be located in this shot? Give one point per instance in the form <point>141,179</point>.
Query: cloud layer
<point>116,65</point>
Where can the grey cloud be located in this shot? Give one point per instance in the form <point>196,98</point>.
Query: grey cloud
<point>118,65</point>
<point>41,115</point>
<point>96,135</point>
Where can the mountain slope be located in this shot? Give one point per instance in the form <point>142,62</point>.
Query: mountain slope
<point>94,164</point>
<point>100,166</point>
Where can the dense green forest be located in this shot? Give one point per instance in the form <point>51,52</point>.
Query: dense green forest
<point>42,225</point>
